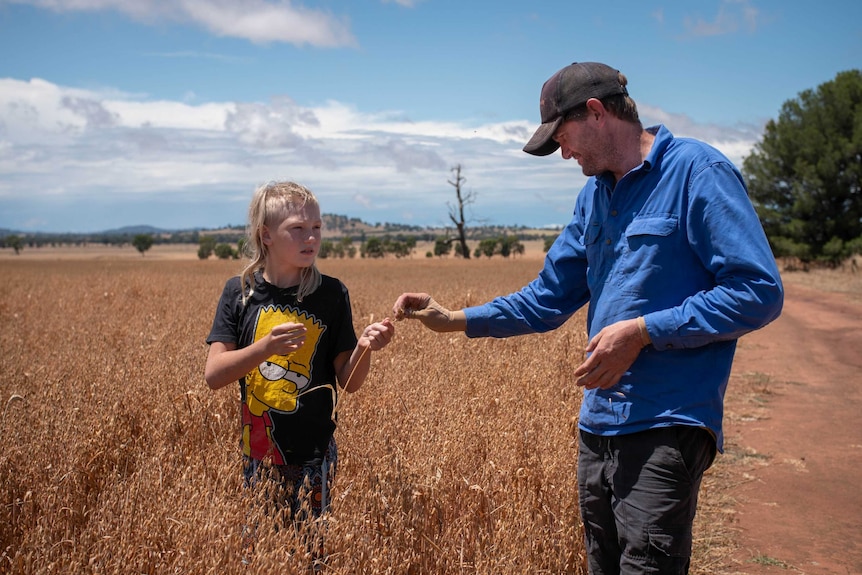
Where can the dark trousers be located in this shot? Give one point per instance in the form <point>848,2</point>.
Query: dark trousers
<point>638,497</point>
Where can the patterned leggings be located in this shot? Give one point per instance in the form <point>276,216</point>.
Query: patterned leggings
<point>294,494</point>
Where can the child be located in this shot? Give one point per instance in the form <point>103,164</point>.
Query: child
<point>285,332</point>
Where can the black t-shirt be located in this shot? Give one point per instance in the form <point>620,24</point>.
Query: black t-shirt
<point>288,401</point>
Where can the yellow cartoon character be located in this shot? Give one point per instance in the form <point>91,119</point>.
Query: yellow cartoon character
<point>276,384</point>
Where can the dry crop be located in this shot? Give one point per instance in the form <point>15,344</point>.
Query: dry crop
<point>457,456</point>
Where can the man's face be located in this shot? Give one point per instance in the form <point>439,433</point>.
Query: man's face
<point>580,139</point>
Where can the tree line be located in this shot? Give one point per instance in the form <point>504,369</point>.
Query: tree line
<point>227,243</point>
<point>375,247</point>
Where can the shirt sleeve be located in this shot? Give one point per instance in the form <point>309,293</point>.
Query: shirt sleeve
<point>724,231</point>
<point>225,326</point>
<point>346,339</point>
<point>546,302</point>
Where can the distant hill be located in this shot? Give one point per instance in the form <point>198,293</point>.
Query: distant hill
<point>123,231</point>
<point>333,224</point>
<point>135,230</point>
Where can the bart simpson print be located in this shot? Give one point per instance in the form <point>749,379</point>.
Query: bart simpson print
<point>277,383</point>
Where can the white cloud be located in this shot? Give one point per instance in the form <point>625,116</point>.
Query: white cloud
<point>732,16</point>
<point>85,146</point>
<point>259,21</point>
<point>735,142</point>
<point>65,152</point>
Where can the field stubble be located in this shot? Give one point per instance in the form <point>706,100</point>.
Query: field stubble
<point>457,456</point>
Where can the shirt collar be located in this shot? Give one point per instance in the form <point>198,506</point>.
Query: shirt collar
<point>663,138</point>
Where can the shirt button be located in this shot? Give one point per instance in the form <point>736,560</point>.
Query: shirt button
<point>669,346</point>
<point>613,212</point>
<point>608,241</point>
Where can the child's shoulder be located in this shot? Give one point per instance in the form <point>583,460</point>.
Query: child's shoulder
<point>332,283</point>
<point>232,284</point>
<point>233,287</point>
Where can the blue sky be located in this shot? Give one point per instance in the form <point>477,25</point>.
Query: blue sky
<point>126,112</point>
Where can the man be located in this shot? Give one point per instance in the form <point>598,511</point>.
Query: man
<point>665,247</point>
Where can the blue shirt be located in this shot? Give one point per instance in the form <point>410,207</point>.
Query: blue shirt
<point>677,241</point>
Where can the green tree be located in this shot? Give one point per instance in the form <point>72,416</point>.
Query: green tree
<point>142,242</point>
<point>805,176</point>
<point>442,247</point>
<point>487,247</point>
<point>346,248</point>
<point>510,245</point>
<point>398,248</point>
<point>15,243</point>
<point>206,245</point>
<point>224,251</point>
<point>326,249</point>
<point>374,248</point>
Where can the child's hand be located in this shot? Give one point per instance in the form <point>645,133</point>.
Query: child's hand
<point>286,338</point>
<point>377,335</point>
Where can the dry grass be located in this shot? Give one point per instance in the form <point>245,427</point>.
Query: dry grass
<point>844,279</point>
<point>457,456</point>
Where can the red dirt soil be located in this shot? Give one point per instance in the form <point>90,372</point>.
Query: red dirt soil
<point>799,508</point>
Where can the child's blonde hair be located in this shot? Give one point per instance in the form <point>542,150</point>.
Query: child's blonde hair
<point>272,203</point>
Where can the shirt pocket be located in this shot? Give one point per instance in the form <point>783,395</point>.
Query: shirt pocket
<point>591,234</point>
<point>650,249</point>
<point>645,227</point>
<point>596,266</point>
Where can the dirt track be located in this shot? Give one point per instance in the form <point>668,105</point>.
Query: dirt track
<point>799,501</point>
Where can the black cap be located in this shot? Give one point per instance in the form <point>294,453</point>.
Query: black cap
<point>566,90</point>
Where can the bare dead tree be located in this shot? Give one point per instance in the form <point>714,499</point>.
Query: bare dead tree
<point>456,213</point>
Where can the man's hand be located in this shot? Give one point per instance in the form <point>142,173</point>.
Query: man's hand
<point>434,316</point>
<point>613,350</point>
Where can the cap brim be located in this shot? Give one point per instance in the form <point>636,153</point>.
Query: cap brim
<point>542,143</point>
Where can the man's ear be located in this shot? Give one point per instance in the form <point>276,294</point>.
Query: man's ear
<point>595,109</point>
<point>265,236</point>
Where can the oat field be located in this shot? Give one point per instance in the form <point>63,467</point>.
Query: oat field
<point>457,455</point>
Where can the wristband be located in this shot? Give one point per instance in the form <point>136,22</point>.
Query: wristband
<point>643,331</point>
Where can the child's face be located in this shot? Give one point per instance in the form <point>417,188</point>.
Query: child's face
<point>296,240</point>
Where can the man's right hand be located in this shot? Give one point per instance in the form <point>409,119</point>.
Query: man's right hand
<point>434,316</point>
